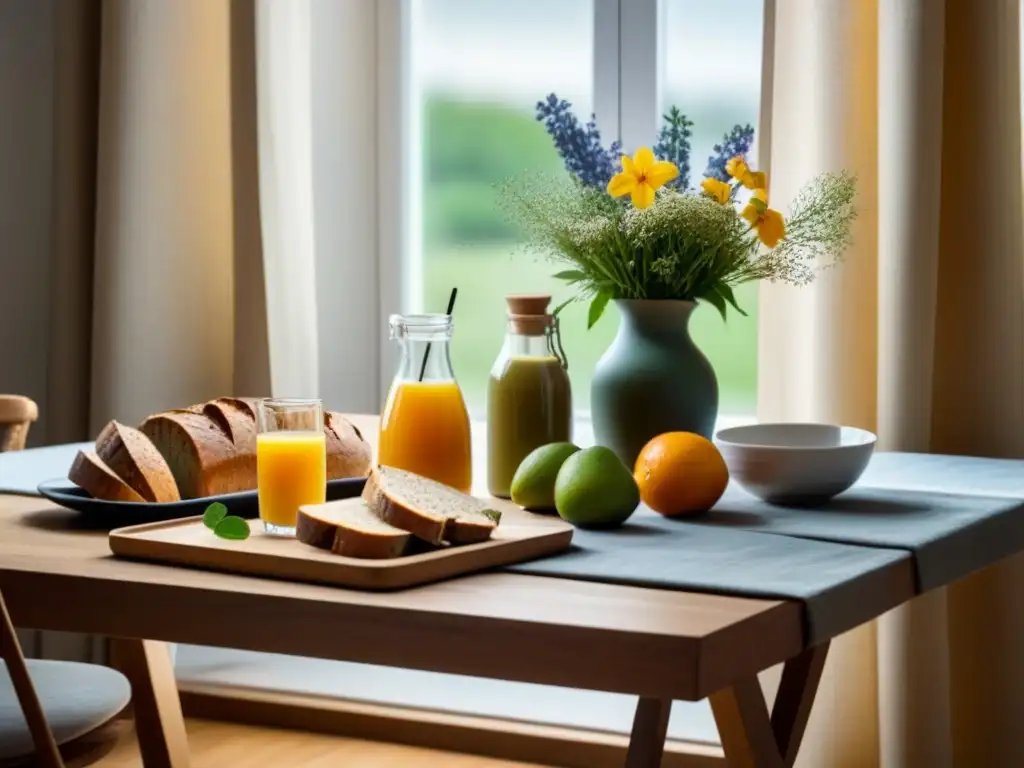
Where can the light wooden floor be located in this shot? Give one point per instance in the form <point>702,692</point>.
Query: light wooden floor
<point>226,745</point>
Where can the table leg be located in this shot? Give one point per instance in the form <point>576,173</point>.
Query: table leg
<point>159,723</point>
<point>800,678</point>
<point>753,739</point>
<point>647,741</point>
<point>47,753</point>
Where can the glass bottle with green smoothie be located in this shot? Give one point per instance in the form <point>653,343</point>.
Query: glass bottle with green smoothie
<point>529,403</point>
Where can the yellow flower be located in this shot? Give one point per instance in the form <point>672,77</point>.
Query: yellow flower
<point>737,167</point>
<point>641,176</point>
<point>770,225</point>
<point>719,191</point>
<point>755,180</point>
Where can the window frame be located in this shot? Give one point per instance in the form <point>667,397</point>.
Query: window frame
<point>628,48</point>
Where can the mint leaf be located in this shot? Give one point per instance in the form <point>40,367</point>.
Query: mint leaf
<point>232,527</point>
<point>214,514</point>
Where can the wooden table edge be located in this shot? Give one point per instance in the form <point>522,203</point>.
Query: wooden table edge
<point>639,663</point>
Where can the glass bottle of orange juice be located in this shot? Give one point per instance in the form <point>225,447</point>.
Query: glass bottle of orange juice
<point>425,426</point>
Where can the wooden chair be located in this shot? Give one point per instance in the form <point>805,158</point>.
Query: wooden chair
<point>16,416</point>
<point>52,713</point>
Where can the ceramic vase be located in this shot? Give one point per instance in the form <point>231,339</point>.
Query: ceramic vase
<point>652,379</point>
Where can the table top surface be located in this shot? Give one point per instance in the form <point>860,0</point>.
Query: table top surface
<point>55,574</point>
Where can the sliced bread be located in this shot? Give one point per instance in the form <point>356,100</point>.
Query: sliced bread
<point>348,454</point>
<point>90,473</point>
<point>132,457</point>
<point>348,527</point>
<point>201,455</point>
<point>428,509</point>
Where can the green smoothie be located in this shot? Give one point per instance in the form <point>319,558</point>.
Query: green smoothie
<point>528,405</point>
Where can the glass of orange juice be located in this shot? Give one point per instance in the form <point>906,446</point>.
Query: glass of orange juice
<point>425,425</point>
<point>291,461</point>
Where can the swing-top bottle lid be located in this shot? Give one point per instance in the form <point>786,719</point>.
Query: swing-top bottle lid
<point>528,313</point>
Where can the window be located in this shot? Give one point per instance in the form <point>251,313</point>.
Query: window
<point>478,69</point>
<point>712,71</point>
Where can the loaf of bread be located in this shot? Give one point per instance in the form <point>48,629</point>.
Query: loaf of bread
<point>429,510</point>
<point>236,416</point>
<point>348,454</point>
<point>133,458</point>
<point>204,450</point>
<point>89,472</point>
<point>348,527</point>
<point>201,454</point>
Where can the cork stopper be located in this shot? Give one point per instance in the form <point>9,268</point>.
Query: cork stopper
<point>528,313</point>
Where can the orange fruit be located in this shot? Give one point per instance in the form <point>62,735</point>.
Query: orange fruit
<point>680,473</point>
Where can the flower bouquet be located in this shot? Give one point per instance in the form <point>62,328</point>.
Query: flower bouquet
<point>633,230</point>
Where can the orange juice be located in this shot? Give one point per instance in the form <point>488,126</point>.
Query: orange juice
<point>425,429</point>
<point>291,470</point>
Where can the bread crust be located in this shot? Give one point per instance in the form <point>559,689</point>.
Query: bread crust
<point>201,456</point>
<point>463,531</point>
<point>465,522</point>
<point>88,471</point>
<point>236,421</point>
<point>348,454</point>
<point>134,458</point>
<point>350,541</point>
<point>430,528</point>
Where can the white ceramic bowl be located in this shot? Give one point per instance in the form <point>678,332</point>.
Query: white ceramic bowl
<point>795,464</point>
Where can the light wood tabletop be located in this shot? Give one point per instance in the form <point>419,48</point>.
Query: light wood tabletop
<point>543,630</point>
<point>659,645</point>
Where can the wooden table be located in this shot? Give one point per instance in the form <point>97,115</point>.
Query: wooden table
<point>657,645</point>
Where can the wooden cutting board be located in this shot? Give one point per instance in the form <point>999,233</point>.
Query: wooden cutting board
<point>520,536</point>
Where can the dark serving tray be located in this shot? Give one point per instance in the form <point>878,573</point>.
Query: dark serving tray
<point>119,513</point>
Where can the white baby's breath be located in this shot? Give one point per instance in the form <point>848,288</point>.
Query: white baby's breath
<point>684,246</point>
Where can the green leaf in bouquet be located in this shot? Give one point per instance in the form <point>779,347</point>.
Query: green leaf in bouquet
<point>214,514</point>
<point>563,305</point>
<point>717,300</point>
<point>726,290</point>
<point>572,275</point>
<point>232,527</point>
<point>597,306</point>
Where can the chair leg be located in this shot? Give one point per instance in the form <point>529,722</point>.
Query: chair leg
<point>159,723</point>
<point>47,753</point>
<point>647,741</point>
<point>753,739</point>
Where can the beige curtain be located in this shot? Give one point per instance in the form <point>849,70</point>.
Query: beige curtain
<point>158,218</point>
<point>919,336</point>
<point>133,263</point>
<point>164,329</point>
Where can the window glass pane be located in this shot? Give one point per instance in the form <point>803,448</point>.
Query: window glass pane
<point>479,67</point>
<point>712,72</point>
